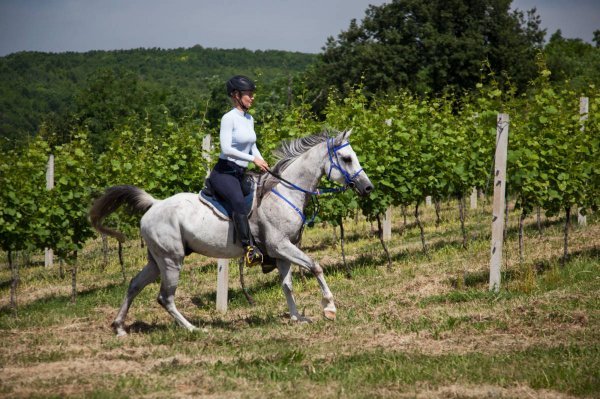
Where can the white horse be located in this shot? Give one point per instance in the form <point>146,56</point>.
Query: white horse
<point>182,224</point>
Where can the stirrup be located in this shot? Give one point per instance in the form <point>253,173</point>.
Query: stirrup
<point>253,256</point>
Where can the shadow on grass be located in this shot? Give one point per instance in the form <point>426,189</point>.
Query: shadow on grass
<point>250,321</point>
<point>235,295</point>
<point>140,327</point>
<point>143,328</point>
<point>481,278</point>
<point>23,264</point>
<point>379,259</point>
<point>356,236</point>
<point>330,243</point>
<point>62,303</point>
<point>532,227</point>
<point>5,284</point>
<point>215,322</point>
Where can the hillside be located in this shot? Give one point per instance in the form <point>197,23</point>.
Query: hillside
<point>34,85</point>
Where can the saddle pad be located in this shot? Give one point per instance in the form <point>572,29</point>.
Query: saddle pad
<point>221,209</point>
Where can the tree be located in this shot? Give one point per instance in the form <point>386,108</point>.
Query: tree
<point>109,99</point>
<point>573,60</point>
<point>430,46</point>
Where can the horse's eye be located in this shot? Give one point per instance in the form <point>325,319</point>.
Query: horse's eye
<point>347,159</point>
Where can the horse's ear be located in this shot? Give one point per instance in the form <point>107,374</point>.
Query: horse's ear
<point>343,136</point>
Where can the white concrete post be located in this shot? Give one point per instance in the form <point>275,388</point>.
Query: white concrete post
<point>428,201</point>
<point>387,217</point>
<point>584,107</point>
<point>48,252</point>
<point>222,284</point>
<point>474,198</point>
<point>206,147</point>
<point>387,224</point>
<point>499,200</point>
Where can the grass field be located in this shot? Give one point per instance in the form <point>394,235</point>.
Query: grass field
<point>427,328</point>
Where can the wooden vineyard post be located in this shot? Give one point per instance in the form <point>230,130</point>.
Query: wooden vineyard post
<point>584,104</point>
<point>499,200</point>
<point>48,252</point>
<point>428,201</point>
<point>387,224</point>
<point>222,284</point>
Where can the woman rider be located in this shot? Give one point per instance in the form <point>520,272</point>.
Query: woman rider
<point>238,148</point>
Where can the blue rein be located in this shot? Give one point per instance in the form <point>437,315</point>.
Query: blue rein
<point>333,163</point>
<point>294,207</point>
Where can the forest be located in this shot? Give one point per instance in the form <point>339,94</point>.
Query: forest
<point>100,89</point>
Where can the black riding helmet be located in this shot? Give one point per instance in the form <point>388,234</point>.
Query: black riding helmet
<point>240,83</point>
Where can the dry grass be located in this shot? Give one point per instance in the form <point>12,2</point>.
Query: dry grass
<point>427,329</point>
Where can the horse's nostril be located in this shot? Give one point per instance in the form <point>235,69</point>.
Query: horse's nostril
<point>368,189</point>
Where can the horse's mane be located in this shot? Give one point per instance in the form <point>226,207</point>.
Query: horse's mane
<point>288,152</point>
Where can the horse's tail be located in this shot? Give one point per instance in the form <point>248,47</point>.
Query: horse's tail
<point>137,200</point>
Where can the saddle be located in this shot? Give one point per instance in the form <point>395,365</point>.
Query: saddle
<point>219,207</point>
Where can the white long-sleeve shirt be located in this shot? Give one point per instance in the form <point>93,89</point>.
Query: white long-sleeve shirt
<point>237,137</point>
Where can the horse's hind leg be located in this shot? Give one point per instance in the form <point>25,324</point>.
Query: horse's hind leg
<point>170,271</point>
<point>146,276</point>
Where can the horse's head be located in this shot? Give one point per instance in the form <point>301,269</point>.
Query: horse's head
<point>343,167</point>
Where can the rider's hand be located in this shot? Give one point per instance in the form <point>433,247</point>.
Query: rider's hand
<point>261,163</point>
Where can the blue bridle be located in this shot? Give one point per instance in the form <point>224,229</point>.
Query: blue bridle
<point>332,152</point>
<point>333,163</point>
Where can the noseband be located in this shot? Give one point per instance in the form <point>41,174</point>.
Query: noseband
<point>334,163</point>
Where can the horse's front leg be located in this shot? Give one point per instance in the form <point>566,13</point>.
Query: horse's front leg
<point>285,277</point>
<point>291,253</point>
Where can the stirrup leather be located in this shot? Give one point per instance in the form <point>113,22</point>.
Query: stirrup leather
<point>253,256</point>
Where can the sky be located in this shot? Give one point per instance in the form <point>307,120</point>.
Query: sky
<point>292,25</point>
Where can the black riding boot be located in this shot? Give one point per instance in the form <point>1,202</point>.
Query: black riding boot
<point>252,255</point>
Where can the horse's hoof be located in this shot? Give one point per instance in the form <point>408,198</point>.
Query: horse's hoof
<point>329,315</point>
<point>194,329</point>
<point>119,329</point>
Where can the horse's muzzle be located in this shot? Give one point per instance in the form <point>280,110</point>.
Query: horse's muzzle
<point>362,189</point>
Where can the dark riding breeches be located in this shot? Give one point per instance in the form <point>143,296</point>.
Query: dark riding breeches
<point>226,180</point>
